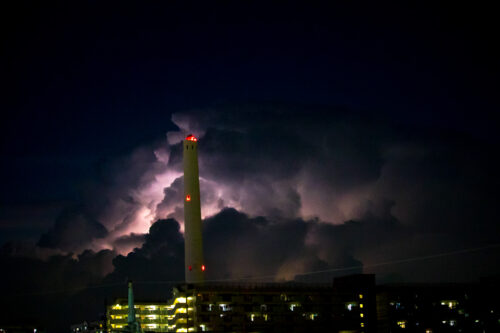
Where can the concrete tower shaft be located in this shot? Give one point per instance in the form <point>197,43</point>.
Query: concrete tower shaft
<point>193,241</point>
<point>131,308</point>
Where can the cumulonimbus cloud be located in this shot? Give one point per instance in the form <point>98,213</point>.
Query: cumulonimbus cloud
<point>288,162</point>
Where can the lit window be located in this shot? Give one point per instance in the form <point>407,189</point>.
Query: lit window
<point>180,300</point>
<point>360,296</point>
<point>361,306</point>
<point>452,304</point>
<point>362,324</point>
<point>361,315</point>
<point>351,305</point>
<point>402,323</point>
<point>225,307</point>
<point>181,310</point>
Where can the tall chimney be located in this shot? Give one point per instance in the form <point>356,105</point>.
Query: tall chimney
<point>193,242</point>
<point>131,308</point>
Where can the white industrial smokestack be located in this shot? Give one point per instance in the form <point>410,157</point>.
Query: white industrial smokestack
<point>193,241</point>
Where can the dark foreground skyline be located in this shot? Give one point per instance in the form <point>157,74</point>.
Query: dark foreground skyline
<point>331,139</point>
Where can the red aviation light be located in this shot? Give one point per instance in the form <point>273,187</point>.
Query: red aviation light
<point>191,137</point>
<point>203,268</point>
<point>188,197</point>
<point>190,268</point>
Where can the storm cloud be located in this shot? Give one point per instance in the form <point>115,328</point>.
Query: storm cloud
<point>291,163</point>
<point>288,193</point>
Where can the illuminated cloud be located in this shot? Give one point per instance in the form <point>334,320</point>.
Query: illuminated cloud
<point>372,187</point>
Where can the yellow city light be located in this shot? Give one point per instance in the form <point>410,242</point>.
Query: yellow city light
<point>180,300</point>
<point>181,310</point>
<point>361,315</point>
<point>361,306</point>
<point>360,296</point>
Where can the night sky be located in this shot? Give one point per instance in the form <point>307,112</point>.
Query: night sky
<point>340,139</point>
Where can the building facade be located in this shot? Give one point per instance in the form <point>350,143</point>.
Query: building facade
<point>152,316</point>
<point>288,307</point>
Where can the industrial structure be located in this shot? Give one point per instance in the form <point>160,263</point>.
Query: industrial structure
<point>193,242</point>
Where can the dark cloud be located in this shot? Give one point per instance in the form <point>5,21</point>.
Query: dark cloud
<point>161,257</point>
<point>238,246</point>
<point>72,230</point>
<point>35,288</point>
<point>127,243</point>
<point>307,161</point>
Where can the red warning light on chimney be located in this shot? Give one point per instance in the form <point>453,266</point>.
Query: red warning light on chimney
<point>191,137</point>
<point>203,268</point>
<point>188,197</point>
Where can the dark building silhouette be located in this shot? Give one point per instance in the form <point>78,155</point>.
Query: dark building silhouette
<point>442,307</point>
